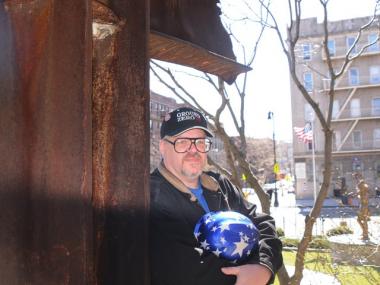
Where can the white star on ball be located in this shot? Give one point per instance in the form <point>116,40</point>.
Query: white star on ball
<point>204,244</point>
<point>217,252</point>
<point>224,227</point>
<point>240,246</point>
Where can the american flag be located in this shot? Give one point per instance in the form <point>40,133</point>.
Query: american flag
<point>304,134</point>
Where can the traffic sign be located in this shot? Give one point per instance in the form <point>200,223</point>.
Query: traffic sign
<point>276,168</point>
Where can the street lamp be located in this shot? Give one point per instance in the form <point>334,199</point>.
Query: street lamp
<point>270,117</point>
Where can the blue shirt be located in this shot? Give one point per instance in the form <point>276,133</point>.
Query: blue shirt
<point>198,192</point>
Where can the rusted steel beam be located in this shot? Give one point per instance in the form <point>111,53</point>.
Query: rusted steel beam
<point>190,32</point>
<point>194,21</point>
<point>121,141</point>
<point>45,142</point>
<point>171,49</point>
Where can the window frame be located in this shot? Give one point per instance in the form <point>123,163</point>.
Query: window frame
<point>337,138</point>
<point>354,142</point>
<point>306,83</point>
<point>352,109</point>
<point>308,112</point>
<point>375,46</point>
<point>331,49</point>
<point>336,109</point>
<point>306,54</point>
<point>348,45</point>
<point>376,137</point>
<point>350,77</point>
<point>374,78</point>
<point>375,109</point>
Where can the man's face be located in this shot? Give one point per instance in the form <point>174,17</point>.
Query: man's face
<point>186,166</point>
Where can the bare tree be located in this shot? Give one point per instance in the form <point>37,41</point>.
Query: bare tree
<point>289,46</point>
<point>235,149</point>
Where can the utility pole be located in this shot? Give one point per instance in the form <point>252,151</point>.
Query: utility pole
<point>271,117</point>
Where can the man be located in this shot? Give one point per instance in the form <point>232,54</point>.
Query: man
<point>180,194</point>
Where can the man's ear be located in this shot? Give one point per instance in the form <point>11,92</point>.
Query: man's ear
<point>161,147</point>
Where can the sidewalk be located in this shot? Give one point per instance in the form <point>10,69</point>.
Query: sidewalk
<point>337,202</point>
<point>314,278</point>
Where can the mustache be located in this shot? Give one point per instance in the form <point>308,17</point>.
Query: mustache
<point>192,155</point>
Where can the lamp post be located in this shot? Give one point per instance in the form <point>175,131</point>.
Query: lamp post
<point>270,117</point>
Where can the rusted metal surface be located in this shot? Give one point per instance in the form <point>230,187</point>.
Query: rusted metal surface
<point>171,49</point>
<point>105,27</point>
<point>186,34</point>
<point>194,21</point>
<point>45,145</point>
<point>190,32</point>
<point>121,141</point>
<point>74,173</point>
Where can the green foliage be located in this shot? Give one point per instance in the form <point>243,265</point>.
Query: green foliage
<point>346,274</point>
<point>280,232</point>
<point>290,242</point>
<point>340,230</point>
<point>317,242</point>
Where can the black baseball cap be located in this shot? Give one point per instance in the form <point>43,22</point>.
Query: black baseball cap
<point>181,120</point>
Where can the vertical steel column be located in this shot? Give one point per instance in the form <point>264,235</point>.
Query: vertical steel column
<point>45,142</point>
<point>123,162</point>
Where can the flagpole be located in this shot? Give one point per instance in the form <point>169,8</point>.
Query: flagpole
<point>313,156</point>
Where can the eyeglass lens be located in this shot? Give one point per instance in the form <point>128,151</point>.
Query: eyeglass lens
<point>184,144</point>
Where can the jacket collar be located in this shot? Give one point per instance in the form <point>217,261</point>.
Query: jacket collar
<point>207,181</point>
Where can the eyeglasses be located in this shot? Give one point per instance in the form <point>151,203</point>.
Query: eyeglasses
<point>182,145</point>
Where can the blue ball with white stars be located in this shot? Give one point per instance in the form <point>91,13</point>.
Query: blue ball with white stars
<point>227,234</point>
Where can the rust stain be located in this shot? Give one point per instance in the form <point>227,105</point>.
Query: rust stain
<point>30,22</point>
<point>104,90</point>
<point>104,98</point>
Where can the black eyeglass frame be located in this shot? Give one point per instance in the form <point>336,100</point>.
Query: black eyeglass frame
<point>193,142</point>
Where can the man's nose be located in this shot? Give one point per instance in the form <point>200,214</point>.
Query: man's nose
<point>192,147</point>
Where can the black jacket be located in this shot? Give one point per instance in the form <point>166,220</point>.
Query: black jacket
<point>173,215</point>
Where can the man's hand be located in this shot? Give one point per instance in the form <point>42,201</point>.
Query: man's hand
<point>249,274</point>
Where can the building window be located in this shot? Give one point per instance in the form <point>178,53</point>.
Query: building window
<point>376,138</point>
<point>357,164</point>
<point>335,110</point>
<point>308,81</point>
<point>350,43</point>
<point>331,47</point>
<point>150,124</point>
<point>310,146</point>
<point>337,139</point>
<point>354,76</point>
<point>355,107</point>
<point>357,139</point>
<point>309,113</point>
<point>376,106</point>
<point>374,73</point>
<point>306,48</point>
<point>373,38</point>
